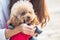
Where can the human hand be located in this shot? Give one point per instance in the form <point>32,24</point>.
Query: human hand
<point>24,28</point>
<point>27,29</point>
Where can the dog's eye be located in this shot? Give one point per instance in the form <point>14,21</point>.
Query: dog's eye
<point>29,12</point>
<point>23,13</point>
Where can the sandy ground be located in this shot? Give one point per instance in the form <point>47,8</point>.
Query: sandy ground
<point>52,29</point>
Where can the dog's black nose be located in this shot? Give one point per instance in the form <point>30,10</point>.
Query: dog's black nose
<point>28,17</point>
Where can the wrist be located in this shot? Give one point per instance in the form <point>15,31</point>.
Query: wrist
<point>10,32</point>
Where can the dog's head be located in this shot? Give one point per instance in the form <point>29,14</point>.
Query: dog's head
<point>22,12</point>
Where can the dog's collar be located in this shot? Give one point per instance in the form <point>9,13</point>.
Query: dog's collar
<point>10,26</point>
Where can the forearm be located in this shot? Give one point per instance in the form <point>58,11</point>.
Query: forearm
<point>9,33</point>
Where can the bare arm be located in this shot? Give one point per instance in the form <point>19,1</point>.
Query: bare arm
<point>22,28</point>
<point>9,33</point>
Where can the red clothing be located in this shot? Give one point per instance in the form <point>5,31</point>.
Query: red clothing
<point>20,36</point>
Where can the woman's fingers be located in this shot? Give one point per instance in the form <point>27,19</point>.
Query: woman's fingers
<point>29,30</point>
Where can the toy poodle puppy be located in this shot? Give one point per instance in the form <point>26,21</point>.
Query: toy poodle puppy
<point>22,12</point>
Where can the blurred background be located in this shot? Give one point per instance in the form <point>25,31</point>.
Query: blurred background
<point>52,29</point>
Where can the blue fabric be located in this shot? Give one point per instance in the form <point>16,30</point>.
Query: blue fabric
<point>4,9</point>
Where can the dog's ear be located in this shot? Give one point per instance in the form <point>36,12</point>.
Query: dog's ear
<point>35,21</point>
<point>13,20</point>
<point>9,21</point>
